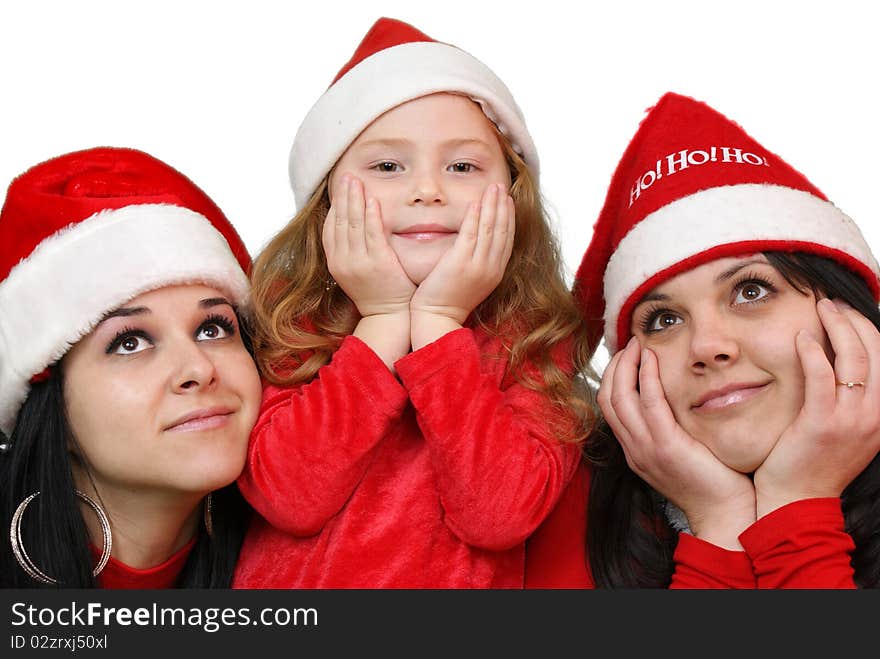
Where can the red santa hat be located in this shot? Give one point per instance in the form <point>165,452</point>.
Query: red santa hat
<point>393,64</point>
<point>85,232</point>
<point>693,187</point>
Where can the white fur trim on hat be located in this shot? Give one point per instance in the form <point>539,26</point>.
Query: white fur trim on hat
<point>719,216</point>
<point>73,278</point>
<point>385,80</point>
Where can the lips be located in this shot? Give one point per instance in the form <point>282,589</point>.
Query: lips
<point>201,419</point>
<point>728,396</point>
<point>425,232</point>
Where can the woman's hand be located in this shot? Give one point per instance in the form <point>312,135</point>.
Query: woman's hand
<point>718,501</point>
<point>365,266</point>
<point>471,269</point>
<point>837,432</point>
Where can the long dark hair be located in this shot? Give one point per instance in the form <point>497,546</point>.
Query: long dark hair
<point>629,541</point>
<point>54,532</point>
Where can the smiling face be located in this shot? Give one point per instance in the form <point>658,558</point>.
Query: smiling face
<point>162,395</point>
<point>724,335</point>
<point>425,161</point>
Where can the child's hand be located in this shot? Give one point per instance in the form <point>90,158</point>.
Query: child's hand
<point>363,264</point>
<point>718,501</point>
<point>469,271</point>
<point>358,254</point>
<point>837,433</point>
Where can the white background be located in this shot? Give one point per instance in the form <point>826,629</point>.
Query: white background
<point>218,89</point>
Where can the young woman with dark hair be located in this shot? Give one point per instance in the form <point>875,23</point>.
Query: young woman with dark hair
<point>742,401</point>
<point>127,388</point>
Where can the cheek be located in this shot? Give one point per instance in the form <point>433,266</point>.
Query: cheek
<point>670,364</point>
<point>387,193</point>
<point>100,406</point>
<point>243,373</point>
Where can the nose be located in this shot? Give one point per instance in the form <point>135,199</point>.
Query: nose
<point>427,189</point>
<point>193,368</point>
<point>713,342</point>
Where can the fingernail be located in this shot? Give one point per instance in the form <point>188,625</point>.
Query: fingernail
<point>828,305</point>
<point>841,305</point>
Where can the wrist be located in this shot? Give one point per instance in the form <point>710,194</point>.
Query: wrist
<point>387,334</point>
<point>428,326</point>
<point>722,526</point>
<point>384,309</point>
<point>770,497</point>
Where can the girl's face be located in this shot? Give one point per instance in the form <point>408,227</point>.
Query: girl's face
<point>724,335</point>
<point>162,395</point>
<point>425,161</point>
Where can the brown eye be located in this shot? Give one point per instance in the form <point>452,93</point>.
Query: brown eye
<point>751,291</point>
<point>211,331</point>
<point>215,327</point>
<point>461,167</point>
<point>662,321</point>
<point>129,342</point>
<point>387,167</point>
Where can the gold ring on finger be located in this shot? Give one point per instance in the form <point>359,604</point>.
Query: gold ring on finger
<point>850,385</point>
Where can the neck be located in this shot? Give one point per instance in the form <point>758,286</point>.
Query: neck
<point>148,526</point>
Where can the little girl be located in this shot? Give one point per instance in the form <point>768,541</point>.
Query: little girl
<point>421,416</point>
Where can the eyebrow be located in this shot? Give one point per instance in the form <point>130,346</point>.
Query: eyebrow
<point>125,312</point>
<point>722,277</point>
<point>399,142</point>
<point>209,302</point>
<point>730,272</point>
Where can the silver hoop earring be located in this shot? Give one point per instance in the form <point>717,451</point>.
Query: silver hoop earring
<point>209,520</point>
<point>25,561</point>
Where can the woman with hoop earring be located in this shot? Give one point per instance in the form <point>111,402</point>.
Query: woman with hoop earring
<point>127,386</point>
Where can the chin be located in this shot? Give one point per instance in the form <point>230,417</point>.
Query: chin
<point>744,459</point>
<point>418,272</point>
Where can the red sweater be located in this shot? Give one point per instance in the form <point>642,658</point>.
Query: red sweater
<point>801,545</point>
<point>119,575</point>
<point>556,555</point>
<point>433,481</point>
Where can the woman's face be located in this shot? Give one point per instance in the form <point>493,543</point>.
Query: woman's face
<point>425,161</point>
<point>162,395</point>
<point>724,335</point>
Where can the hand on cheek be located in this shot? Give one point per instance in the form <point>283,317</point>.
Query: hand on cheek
<point>363,264</point>
<point>471,269</point>
<point>718,501</point>
<point>837,432</point>
<point>358,254</point>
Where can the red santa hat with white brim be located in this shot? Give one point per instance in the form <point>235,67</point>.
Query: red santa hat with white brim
<point>393,64</point>
<point>85,232</point>
<point>693,187</point>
